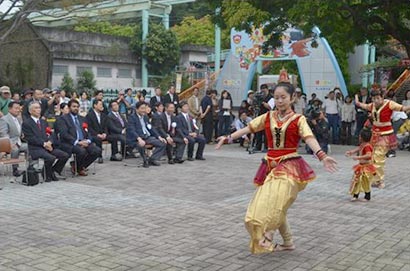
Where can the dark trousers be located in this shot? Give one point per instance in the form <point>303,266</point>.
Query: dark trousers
<point>98,143</point>
<point>114,139</point>
<point>179,146</point>
<point>159,148</point>
<point>360,120</point>
<point>49,159</point>
<point>346,133</point>
<point>86,156</point>
<point>260,139</point>
<point>201,146</point>
<point>224,125</point>
<point>207,127</point>
<point>333,120</point>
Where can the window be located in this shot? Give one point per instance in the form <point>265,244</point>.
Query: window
<point>81,69</point>
<point>60,69</point>
<point>124,73</point>
<point>104,72</point>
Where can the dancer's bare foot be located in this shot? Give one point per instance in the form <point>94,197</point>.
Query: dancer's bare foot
<point>354,199</point>
<point>266,241</point>
<point>279,247</point>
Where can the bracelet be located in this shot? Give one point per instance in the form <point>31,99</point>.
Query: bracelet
<point>320,154</point>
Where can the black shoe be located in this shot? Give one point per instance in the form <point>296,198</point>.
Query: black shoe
<point>59,176</point>
<point>178,161</point>
<point>113,158</point>
<point>17,173</point>
<point>54,178</point>
<point>171,162</point>
<point>146,164</point>
<point>190,159</point>
<point>154,163</point>
<point>48,179</point>
<point>200,158</point>
<point>100,160</point>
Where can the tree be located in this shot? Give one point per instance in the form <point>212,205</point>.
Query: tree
<point>199,32</point>
<point>67,83</point>
<point>86,81</point>
<point>127,30</point>
<point>197,9</point>
<point>161,49</point>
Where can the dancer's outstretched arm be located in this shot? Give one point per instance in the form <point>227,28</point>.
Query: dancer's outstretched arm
<point>328,162</point>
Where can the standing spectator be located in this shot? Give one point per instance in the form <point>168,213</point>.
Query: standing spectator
<point>172,97</point>
<point>74,138</point>
<point>157,98</point>
<point>141,133</point>
<point>5,95</point>
<point>332,107</point>
<point>406,100</point>
<point>263,104</point>
<point>40,145</point>
<point>116,129</point>
<point>194,105</point>
<point>123,104</point>
<point>15,97</point>
<point>85,104</point>
<point>312,98</point>
<point>215,111</point>
<point>244,108</point>
<point>74,95</point>
<point>187,129</point>
<point>28,94</point>
<point>97,125</point>
<point>63,97</point>
<point>320,128</point>
<point>207,116</point>
<point>348,118</point>
<point>37,97</point>
<point>11,128</point>
<point>50,98</point>
<point>225,113</point>
<point>250,101</point>
<point>361,114</point>
<point>299,104</point>
<point>131,100</point>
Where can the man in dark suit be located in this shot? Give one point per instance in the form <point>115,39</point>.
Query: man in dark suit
<point>172,97</point>
<point>39,144</point>
<point>74,138</point>
<point>140,133</point>
<point>116,128</point>
<point>157,98</point>
<point>361,114</point>
<point>97,127</point>
<point>166,123</point>
<point>37,97</point>
<point>189,131</point>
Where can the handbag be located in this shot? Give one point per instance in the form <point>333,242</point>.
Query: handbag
<point>30,178</point>
<point>261,173</point>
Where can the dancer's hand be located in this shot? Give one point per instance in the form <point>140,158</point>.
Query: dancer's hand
<point>221,141</point>
<point>348,153</point>
<point>330,164</point>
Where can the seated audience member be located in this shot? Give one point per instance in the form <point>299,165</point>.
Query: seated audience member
<point>140,133</point>
<point>97,125</point>
<point>40,145</point>
<point>116,128</point>
<point>165,123</point>
<point>39,98</point>
<point>190,134</point>
<point>74,138</point>
<point>10,126</point>
<point>240,123</point>
<point>321,129</point>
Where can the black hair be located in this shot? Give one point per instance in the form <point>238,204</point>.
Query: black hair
<point>264,86</point>
<point>13,103</point>
<point>182,104</point>
<point>289,88</point>
<point>405,94</point>
<point>113,101</point>
<point>375,92</point>
<point>98,92</point>
<point>73,101</point>
<point>82,92</point>
<point>209,92</point>
<point>366,135</point>
<point>139,104</point>
<point>168,104</point>
<point>95,101</point>
<point>62,105</point>
<point>158,104</point>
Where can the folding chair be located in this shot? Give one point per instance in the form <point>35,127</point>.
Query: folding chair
<point>6,148</point>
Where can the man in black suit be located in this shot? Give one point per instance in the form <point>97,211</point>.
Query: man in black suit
<point>37,97</point>
<point>116,128</point>
<point>172,97</point>
<point>361,114</point>
<point>189,131</point>
<point>157,98</point>
<point>140,133</point>
<point>96,120</point>
<point>40,145</point>
<point>74,138</point>
<point>166,123</point>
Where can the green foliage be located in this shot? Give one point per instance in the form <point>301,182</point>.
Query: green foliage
<point>107,28</point>
<point>161,49</point>
<point>19,74</point>
<point>197,9</point>
<point>86,81</point>
<point>67,83</point>
<point>382,62</point>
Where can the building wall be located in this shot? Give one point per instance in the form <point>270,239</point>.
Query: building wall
<point>25,60</point>
<point>117,79</point>
<point>355,63</point>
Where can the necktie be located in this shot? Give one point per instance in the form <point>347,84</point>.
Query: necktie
<point>169,122</point>
<point>80,134</point>
<point>39,125</point>
<point>119,118</point>
<point>171,97</point>
<point>189,123</point>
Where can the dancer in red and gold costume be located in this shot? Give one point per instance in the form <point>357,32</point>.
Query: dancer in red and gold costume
<point>287,172</point>
<point>383,137</point>
<point>365,170</point>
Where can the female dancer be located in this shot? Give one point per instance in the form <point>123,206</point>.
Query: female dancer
<point>288,173</point>
<point>383,137</point>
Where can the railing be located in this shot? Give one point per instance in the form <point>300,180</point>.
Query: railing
<point>224,55</point>
<point>185,94</point>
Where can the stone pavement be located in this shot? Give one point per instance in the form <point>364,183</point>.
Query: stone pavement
<point>190,217</point>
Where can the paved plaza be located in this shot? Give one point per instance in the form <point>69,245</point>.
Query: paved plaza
<point>190,217</point>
